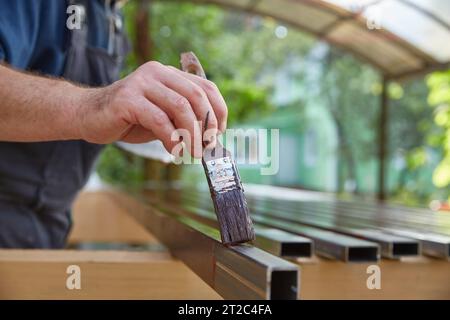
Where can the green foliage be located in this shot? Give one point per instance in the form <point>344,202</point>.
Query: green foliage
<point>439,98</point>
<point>244,94</point>
<point>349,89</point>
<point>416,158</point>
<point>234,48</point>
<point>423,135</point>
<point>242,55</point>
<point>409,117</point>
<point>352,94</point>
<point>395,91</point>
<point>115,166</point>
<point>410,122</point>
<point>439,83</point>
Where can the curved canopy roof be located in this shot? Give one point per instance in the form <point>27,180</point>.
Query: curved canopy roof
<point>400,38</point>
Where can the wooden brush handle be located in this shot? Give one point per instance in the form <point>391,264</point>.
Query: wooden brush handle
<point>190,63</point>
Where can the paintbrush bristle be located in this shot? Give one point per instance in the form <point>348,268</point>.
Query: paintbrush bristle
<point>233,216</point>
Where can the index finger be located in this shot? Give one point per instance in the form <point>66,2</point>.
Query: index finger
<point>214,96</point>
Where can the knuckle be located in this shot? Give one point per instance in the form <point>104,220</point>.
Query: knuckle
<point>150,67</point>
<point>153,64</point>
<point>159,118</point>
<point>181,104</point>
<point>137,77</point>
<point>198,93</point>
<point>136,105</point>
<point>210,86</point>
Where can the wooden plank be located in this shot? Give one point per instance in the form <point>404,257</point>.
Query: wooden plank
<point>41,274</point>
<point>97,219</point>
<point>412,278</point>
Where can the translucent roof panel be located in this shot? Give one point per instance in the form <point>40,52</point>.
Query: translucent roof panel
<point>412,23</point>
<point>313,18</point>
<point>401,38</point>
<point>366,44</point>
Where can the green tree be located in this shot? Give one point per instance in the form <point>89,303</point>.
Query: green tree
<point>234,48</point>
<point>242,54</point>
<point>349,91</point>
<point>439,98</point>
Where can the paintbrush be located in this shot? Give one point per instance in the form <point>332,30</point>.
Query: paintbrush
<point>223,178</point>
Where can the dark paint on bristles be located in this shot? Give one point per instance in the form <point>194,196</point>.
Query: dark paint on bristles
<point>223,178</point>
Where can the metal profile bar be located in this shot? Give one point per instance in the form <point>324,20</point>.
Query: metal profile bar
<point>282,243</point>
<point>416,216</point>
<point>326,243</point>
<point>239,272</point>
<point>275,241</point>
<point>324,218</point>
<point>432,244</point>
<point>362,217</point>
<point>367,213</point>
<point>372,210</point>
<point>391,246</point>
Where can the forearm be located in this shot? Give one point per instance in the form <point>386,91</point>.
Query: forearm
<point>34,108</point>
<point>152,102</point>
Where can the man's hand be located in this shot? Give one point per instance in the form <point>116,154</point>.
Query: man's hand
<point>149,104</point>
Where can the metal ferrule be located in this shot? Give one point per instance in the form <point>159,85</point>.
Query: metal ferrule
<point>222,174</point>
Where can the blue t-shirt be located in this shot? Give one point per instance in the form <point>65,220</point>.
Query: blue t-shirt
<point>34,35</point>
